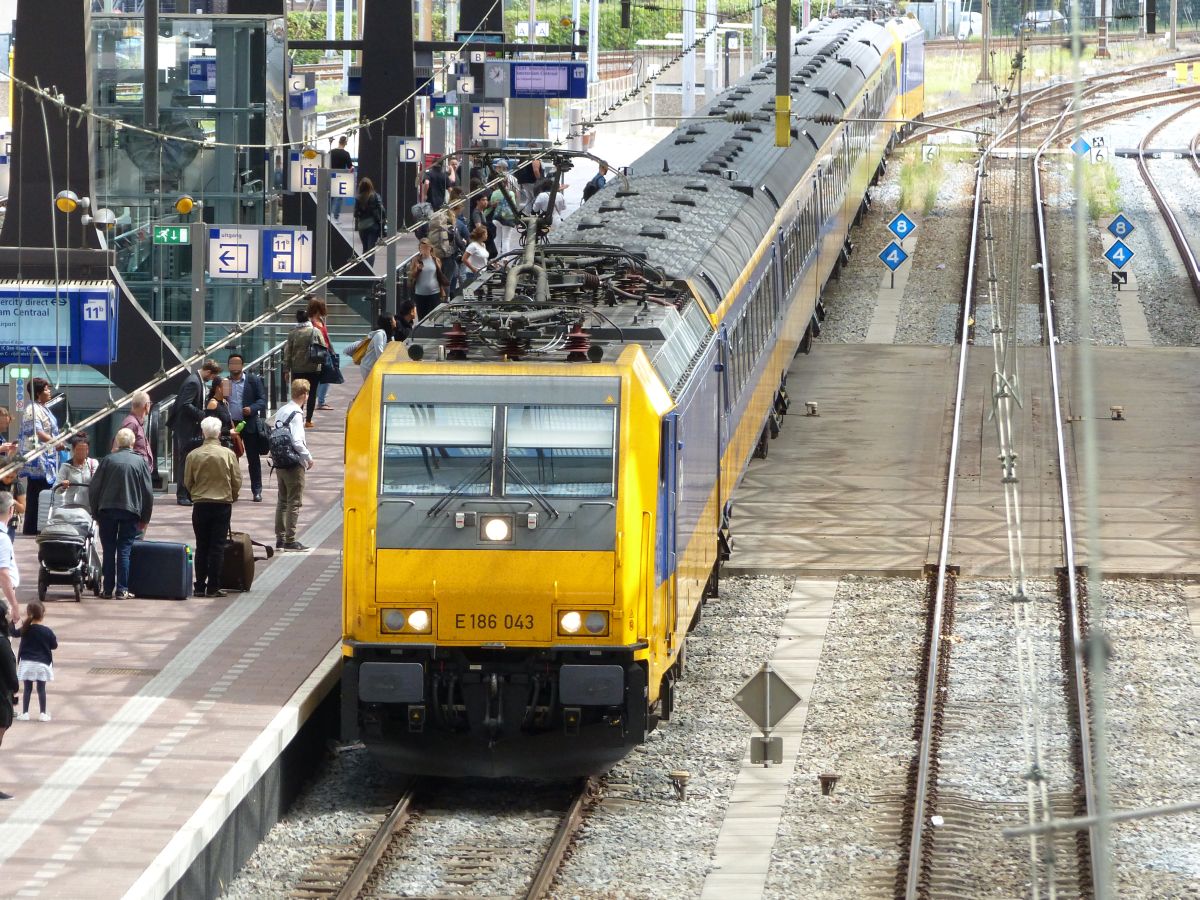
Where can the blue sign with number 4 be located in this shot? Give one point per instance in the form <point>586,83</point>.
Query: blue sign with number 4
<point>902,226</point>
<point>1118,254</point>
<point>893,256</point>
<point>1120,227</point>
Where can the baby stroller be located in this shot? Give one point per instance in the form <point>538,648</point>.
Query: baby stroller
<point>67,546</point>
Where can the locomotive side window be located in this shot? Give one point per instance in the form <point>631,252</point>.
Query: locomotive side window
<point>430,448</point>
<point>562,451</point>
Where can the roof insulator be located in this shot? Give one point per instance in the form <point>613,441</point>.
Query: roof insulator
<point>612,206</point>
<point>683,200</point>
<point>588,222</point>
<point>654,232</point>
<point>737,116</point>
<point>696,186</point>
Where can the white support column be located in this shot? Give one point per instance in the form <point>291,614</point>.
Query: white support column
<point>710,51</point>
<point>805,13</point>
<point>688,71</point>
<point>330,28</point>
<point>533,21</point>
<point>756,23</point>
<point>594,40</point>
<point>575,21</point>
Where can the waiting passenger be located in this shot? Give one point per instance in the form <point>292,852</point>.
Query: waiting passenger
<point>385,325</point>
<point>291,475</point>
<point>38,426</point>
<point>135,421</point>
<point>122,501</point>
<point>425,279</point>
<point>213,478</point>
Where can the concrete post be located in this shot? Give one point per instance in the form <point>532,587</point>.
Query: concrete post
<point>985,70</point>
<point>688,70</point>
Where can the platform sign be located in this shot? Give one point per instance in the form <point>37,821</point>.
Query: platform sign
<point>302,172</point>
<point>1118,254</point>
<point>287,253</point>
<point>233,252</point>
<point>75,323</point>
<point>902,226</point>
<point>893,256</point>
<point>929,152</point>
<point>202,76</point>
<point>548,80</point>
<point>540,29</point>
<point>341,185</point>
<point>410,150</point>
<point>488,123</point>
<point>1119,279</point>
<point>5,149</point>
<point>172,235</point>
<point>1120,227</point>
<point>766,698</point>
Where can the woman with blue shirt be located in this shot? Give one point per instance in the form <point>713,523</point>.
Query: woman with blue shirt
<point>38,426</point>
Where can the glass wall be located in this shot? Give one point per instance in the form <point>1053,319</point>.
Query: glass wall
<point>220,82</point>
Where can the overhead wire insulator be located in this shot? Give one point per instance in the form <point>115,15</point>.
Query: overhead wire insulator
<point>738,116</point>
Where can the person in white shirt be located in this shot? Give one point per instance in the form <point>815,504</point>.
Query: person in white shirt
<point>475,257</point>
<point>378,339</point>
<point>542,201</point>
<point>290,496</point>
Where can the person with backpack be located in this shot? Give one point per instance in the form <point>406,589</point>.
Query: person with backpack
<point>291,459</point>
<point>504,216</point>
<point>443,239</point>
<point>596,182</point>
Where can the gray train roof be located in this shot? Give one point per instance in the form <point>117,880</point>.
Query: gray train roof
<point>692,218</point>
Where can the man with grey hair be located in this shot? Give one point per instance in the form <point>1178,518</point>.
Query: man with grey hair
<point>213,478</point>
<point>122,501</point>
<point>135,421</point>
<point>10,578</point>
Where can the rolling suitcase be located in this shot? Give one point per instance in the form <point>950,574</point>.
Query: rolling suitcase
<point>160,570</point>
<point>237,566</point>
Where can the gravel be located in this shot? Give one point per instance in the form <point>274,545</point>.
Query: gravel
<point>660,846</point>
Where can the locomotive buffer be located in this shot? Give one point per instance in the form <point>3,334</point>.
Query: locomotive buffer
<point>766,699</point>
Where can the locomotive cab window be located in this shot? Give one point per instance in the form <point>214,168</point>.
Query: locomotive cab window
<point>560,451</point>
<point>430,448</point>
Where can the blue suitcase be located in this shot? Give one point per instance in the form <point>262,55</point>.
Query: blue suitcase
<point>160,570</point>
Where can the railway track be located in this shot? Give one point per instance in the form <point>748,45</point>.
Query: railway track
<point>939,826</point>
<point>1173,222</point>
<point>350,874</point>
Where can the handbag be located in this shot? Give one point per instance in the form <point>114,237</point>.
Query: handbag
<point>318,353</point>
<point>365,223</point>
<point>239,446</point>
<point>358,351</point>
<point>332,373</point>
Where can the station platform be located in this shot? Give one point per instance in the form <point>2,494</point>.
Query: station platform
<point>167,715</point>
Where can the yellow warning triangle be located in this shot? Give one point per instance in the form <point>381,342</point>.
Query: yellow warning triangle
<point>391,398</point>
<point>609,399</point>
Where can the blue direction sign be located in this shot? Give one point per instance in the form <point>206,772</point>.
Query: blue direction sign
<point>548,80</point>
<point>893,256</point>
<point>1120,227</point>
<point>902,226</point>
<point>75,323</point>
<point>287,253</point>
<point>202,76</point>
<point>1118,254</point>
<point>1081,147</point>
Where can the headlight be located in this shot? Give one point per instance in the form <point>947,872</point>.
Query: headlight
<point>406,621</point>
<point>570,622</point>
<point>497,529</point>
<point>596,622</point>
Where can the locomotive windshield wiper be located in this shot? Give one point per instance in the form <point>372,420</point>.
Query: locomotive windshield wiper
<point>458,488</point>
<point>537,495</point>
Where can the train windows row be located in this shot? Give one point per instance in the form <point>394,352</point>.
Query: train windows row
<point>684,335</point>
<point>752,331</point>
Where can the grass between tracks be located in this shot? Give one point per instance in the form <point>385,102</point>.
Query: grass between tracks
<point>1100,185</point>
<point>919,181</point>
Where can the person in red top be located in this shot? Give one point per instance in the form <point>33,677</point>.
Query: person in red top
<point>317,313</point>
<point>135,421</point>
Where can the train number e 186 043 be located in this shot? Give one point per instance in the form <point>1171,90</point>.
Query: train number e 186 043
<point>490,621</point>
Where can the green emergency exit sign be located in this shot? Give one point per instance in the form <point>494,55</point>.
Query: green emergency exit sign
<point>446,111</point>
<point>171,234</point>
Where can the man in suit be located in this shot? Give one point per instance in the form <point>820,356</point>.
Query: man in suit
<point>185,421</point>
<point>248,403</point>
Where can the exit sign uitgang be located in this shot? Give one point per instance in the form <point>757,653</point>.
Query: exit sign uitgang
<point>446,111</point>
<point>171,234</point>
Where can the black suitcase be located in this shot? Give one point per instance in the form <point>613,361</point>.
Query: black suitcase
<point>237,565</point>
<point>160,570</point>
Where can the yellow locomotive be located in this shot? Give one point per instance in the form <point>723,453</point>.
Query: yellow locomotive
<point>538,490</point>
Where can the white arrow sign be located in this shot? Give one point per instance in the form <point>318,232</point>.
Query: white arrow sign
<point>233,253</point>
<point>487,122</point>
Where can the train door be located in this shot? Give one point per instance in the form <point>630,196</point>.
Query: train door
<point>663,615</point>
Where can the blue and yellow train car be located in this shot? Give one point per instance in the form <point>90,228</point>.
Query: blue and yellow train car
<point>539,489</point>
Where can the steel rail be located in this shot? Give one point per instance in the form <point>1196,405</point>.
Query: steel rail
<point>374,851</point>
<point>935,629</point>
<point>1124,105</point>
<point>540,886</point>
<point>1073,609</point>
<point>1182,244</point>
